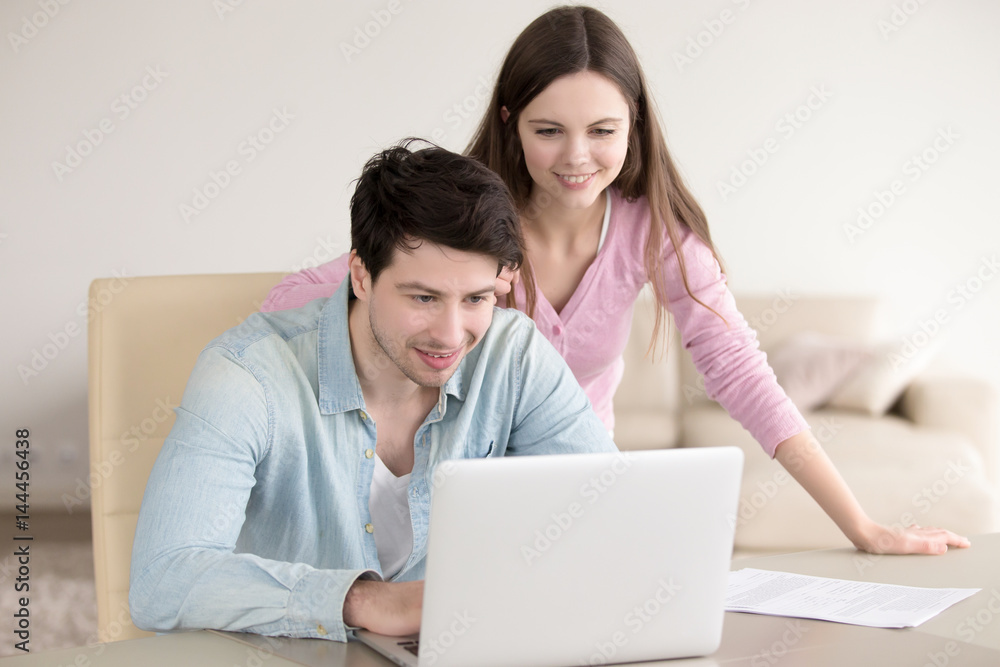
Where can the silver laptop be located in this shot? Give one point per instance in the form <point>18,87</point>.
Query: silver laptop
<point>575,559</point>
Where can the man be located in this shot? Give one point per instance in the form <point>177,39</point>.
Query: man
<point>296,481</point>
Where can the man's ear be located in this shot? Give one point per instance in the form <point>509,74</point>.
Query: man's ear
<point>360,278</point>
<point>504,114</point>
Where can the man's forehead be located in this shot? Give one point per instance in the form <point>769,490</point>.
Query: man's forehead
<point>441,267</point>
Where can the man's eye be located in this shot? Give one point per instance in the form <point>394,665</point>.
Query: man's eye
<point>424,298</point>
<point>476,299</point>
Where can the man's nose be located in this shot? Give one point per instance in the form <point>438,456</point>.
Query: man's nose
<point>447,328</point>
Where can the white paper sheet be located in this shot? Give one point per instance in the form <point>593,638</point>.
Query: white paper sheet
<point>855,602</point>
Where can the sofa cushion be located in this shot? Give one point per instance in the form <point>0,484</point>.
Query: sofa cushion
<point>881,379</point>
<point>937,478</point>
<point>811,366</point>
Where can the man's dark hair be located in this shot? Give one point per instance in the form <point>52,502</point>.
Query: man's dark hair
<point>405,197</point>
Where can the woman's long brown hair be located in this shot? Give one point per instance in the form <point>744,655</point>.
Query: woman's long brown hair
<point>567,40</point>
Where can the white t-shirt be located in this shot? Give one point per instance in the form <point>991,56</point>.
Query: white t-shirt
<point>389,507</point>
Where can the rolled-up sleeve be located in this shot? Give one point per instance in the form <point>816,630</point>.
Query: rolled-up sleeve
<point>185,571</point>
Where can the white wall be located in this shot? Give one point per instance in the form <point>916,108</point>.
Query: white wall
<point>221,75</point>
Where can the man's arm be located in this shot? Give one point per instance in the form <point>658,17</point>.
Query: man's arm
<point>185,574</point>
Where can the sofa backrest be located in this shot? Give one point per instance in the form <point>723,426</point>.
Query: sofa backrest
<point>652,395</point>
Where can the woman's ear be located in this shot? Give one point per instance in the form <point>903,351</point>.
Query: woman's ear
<point>504,114</point>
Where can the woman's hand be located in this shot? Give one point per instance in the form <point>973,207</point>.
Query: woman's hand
<point>878,539</point>
<point>506,281</point>
<point>804,458</point>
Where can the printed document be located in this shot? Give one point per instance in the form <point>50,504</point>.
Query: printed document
<point>855,602</point>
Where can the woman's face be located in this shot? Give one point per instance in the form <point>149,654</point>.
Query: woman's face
<point>575,137</point>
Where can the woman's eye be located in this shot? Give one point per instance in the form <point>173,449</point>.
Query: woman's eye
<point>547,132</point>
<point>603,132</point>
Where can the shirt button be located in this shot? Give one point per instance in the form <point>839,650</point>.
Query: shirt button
<point>557,330</point>
<point>364,416</point>
<point>369,453</point>
<point>320,629</point>
<point>369,528</point>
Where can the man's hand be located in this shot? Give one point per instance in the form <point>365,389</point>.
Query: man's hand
<point>878,539</point>
<point>384,607</point>
<point>506,281</point>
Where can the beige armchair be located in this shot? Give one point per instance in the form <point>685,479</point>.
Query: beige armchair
<point>144,337</point>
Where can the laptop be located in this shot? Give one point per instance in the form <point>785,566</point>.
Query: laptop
<point>575,559</point>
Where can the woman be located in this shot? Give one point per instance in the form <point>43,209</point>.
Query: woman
<point>574,134</point>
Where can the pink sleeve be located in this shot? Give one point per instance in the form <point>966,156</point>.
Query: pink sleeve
<point>727,353</point>
<point>298,289</point>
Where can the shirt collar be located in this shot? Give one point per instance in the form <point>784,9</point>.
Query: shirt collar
<point>339,389</point>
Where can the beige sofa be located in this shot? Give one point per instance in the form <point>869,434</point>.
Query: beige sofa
<point>145,333</point>
<point>933,459</point>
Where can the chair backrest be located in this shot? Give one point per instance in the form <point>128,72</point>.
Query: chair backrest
<point>144,337</point>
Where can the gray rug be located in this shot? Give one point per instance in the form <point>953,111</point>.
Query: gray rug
<point>62,604</point>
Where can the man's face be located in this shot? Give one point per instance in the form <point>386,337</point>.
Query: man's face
<point>428,308</point>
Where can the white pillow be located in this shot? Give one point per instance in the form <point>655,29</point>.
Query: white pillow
<point>880,381</point>
<point>810,366</point>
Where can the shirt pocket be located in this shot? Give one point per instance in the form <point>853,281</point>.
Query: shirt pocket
<point>481,449</point>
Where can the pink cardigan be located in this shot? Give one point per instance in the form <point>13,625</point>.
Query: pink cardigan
<point>592,329</point>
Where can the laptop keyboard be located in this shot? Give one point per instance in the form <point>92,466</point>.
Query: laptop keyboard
<point>411,645</point>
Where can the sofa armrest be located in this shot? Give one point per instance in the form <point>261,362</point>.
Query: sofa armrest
<point>967,405</point>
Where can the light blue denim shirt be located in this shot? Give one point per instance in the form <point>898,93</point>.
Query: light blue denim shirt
<point>255,516</point>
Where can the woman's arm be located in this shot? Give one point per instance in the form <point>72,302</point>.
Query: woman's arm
<point>298,289</point>
<point>738,377</point>
<point>804,458</point>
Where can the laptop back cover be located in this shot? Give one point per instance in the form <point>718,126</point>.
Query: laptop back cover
<point>579,559</point>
